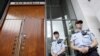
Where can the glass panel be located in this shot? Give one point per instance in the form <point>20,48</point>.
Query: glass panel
<point>48,43</point>
<point>58,10</point>
<point>70,28</point>
<point>58,26</point>
<point>56,13</point>
<point>48,12</point>
<point>48,29</point>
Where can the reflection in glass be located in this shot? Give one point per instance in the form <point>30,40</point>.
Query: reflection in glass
<point>70,29</point>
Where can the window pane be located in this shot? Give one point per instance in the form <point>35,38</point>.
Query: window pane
<point>48,29</point>
<point>70,28</point>
<point>58,26</point>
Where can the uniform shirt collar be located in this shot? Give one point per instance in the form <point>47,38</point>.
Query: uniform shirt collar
<point>57,39</point>
<point>76,31</point>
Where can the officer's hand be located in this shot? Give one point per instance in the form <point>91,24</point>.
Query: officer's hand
<point>81,50</point>
<point>86,49</point>
<point>55,54</point>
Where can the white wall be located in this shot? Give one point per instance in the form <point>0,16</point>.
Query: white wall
<point>95,5</point>
<point>79,13</point>
<point>84,12</point>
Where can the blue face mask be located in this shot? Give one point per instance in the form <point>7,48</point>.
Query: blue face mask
<point>84,33</point>
<point>59,41</point>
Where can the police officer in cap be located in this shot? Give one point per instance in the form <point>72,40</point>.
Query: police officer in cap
<point>83,41</point>
<point>58,46</point>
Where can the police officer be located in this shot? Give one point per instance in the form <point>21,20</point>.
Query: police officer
<point>83,41</point>
<point>58,47</point>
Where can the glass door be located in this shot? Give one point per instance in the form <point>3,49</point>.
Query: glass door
<point>65,29</point>
<point>61,18</point>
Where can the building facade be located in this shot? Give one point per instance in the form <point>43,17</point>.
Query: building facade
<point>36,20</point>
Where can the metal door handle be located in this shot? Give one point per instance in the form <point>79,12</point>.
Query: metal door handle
<point>24,35</point>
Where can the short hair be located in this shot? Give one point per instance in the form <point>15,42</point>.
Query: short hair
<point>56,32</point>
<point>79,22</point>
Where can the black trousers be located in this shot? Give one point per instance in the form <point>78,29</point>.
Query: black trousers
<point>63,54</point>
<point>92,52</point>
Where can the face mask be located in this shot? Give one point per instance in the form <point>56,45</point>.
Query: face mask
<point>84,33</point>
<point>59,41</point>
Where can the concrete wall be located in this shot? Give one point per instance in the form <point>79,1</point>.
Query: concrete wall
<point>84,12</point>
<point>95,5</point>
<point>79,13</point>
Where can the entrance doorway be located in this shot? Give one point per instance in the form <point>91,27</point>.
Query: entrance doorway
<point>23,31</point>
